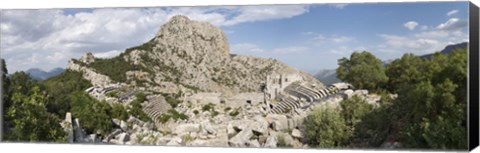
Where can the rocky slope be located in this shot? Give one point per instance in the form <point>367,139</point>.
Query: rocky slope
<point>219,95</point>
<point>190,56</point>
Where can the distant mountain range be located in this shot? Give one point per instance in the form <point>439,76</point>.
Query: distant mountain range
<point>39,74</point>
<point>449,49</point>
<point>329,76</point>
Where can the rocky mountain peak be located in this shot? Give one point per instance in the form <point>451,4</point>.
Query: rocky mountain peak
<point>186,56</point>
<point>87,58</point>
<point>192,37</point>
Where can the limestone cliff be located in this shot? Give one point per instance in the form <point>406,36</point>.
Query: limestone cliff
<point>192,56</point>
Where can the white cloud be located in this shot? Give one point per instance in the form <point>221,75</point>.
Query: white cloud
<point>453,24</point>
<point>339,6</point>
<point>408,44</point>
<point>47,33</point>
<point>308,33</point>
<point>257,13</point>
<point>245,47</point>
<point>424,27</point>
<point>434,34</point>
<point>341,39</point>
<point>321,39</point>
<point>56,57</point>
<point>108,54</point>
<point>289,50</point>
<point>452,12</point>
<point>253,49</point>
<point>430,39</point>
<point>410,25</point>
<point>346,51</point>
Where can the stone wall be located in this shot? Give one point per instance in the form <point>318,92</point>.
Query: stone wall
<point>275,83</point>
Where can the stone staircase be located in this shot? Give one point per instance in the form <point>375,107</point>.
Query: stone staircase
<point>286,103</point>
<point>155,107</point>
<point>289,104</point>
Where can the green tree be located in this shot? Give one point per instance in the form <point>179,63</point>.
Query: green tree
<point>437,119</point>
<point>5,81</point>
<point>405,71</point>
<point>353,110</point>
<point>4,93</point>
<point>94,116</point>
<point>119,111</point>
<point>20,82</point>
<point>363,70</point>
<point>325,127</point>
<point>59,89</point>
<point>29,120</point>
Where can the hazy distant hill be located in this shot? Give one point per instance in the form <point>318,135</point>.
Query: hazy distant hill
<point>327,76</point>
<point>39,74</point>
<point>449,49</point>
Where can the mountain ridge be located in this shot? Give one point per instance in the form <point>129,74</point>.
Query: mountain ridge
<point>39,74</point>
<point>186,56</point>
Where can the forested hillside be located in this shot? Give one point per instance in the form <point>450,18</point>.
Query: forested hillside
<point>429,110</point>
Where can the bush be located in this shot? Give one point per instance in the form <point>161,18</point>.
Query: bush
<point>325,127</point>
<point>187,138</point>
<point>353,109</point>
<point>112,94</point>
<point>164,118</point>
<point>281,142</point>
<point>208,107</point>
<point>176,115</point>
<point>227,109</point>
<point>119,111</point>
<point>215,113</point>
<point>235,112</point>
<point>93,115</point>
<point>136,109</point>
<point>172,101</point>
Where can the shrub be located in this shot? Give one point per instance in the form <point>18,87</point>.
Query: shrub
<point>93,115</point>
<point>208,107</point>
<point>112,94</point>
<point>227,109</point>
<point>172,101</point>
<point>164,118</point>
<point>176,115</point>
<point>119,111</point>
<point>187,138</point>
<point>136,109</point>
<point>235,112</point>
<point>325,127</point>
<point>215,113</point>
<point>281,141</point>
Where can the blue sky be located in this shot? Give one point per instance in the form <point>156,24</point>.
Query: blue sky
<point>308,37</point>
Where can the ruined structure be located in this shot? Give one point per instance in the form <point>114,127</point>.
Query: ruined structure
<point>225,99</point>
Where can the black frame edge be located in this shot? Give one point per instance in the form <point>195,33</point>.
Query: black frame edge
<point>473,107</point>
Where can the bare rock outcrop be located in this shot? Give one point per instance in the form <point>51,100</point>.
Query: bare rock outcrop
<point>89,74</point>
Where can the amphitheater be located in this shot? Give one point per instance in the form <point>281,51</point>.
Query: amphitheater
<point>288,97</point>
